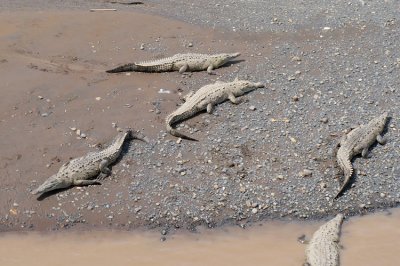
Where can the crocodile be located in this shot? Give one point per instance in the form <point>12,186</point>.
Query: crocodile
<point>179,62</point>
<point>357,141</point>
<point>206,98</point>
<point>323,248</point>
<point>82,171</point>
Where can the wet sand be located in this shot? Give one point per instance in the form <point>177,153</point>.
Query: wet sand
<point>52,66</point>
<point>369,240</point>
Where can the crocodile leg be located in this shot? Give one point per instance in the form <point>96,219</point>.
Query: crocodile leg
<point>103,166</point>
<point>210,69</point>
<point>104,170</point>
<point>232,98</point>
<point>210,108</point>
<point>364,152</point>
<point>101,176</point>
<point>381,140</point>
<point>183,68</point>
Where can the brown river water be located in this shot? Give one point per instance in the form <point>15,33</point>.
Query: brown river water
<point>368,240</point>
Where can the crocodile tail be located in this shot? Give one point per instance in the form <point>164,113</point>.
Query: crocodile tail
<point>175,132</point>
<point>345,165</point>
<point>123,68</point>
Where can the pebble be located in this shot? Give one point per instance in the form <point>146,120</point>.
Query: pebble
<point>254,210</point>
<point>45,114</point>
<point>190,44</point>
<point>142,46</point>
<point>324,120</point>
<point>252,108</point>
<point>305,172</point>
<point>40,97</point>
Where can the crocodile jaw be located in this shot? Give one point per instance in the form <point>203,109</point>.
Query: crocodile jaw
<point>225,58</point>
<point>52,183</point>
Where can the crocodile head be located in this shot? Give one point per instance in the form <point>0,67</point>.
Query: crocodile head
<point>243,86</point>
<point>52,183</point>
<point>221,59</point>
<point>380,121</point>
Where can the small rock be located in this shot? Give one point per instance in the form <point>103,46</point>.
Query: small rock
<point>295,98</point>
<point>40,97</point>
<point>73,128</point>
<point>15,204</point>
<point>252,108</point>
<point>45,114</point>
<point>164,91</point>
<point>142,46</point>
<point>78,132</point>
<point>254,210</point>
<point>190,44</point>
<point>305,172</point>
<point>324,120</point>
<point>83,135</point>
<point>296,58</point>
<point>383,195</point>
<point>98,98</point>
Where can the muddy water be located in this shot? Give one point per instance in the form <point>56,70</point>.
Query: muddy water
<point>369,240</point>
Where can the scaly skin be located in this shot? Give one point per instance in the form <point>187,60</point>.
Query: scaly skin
<point>179,62</point>
<point>358,141</point>
<point>206,98</point>
<point>81,171</point>
<point>323,249</point>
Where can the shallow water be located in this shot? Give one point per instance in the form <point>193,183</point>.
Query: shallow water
<point>369,240</point>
